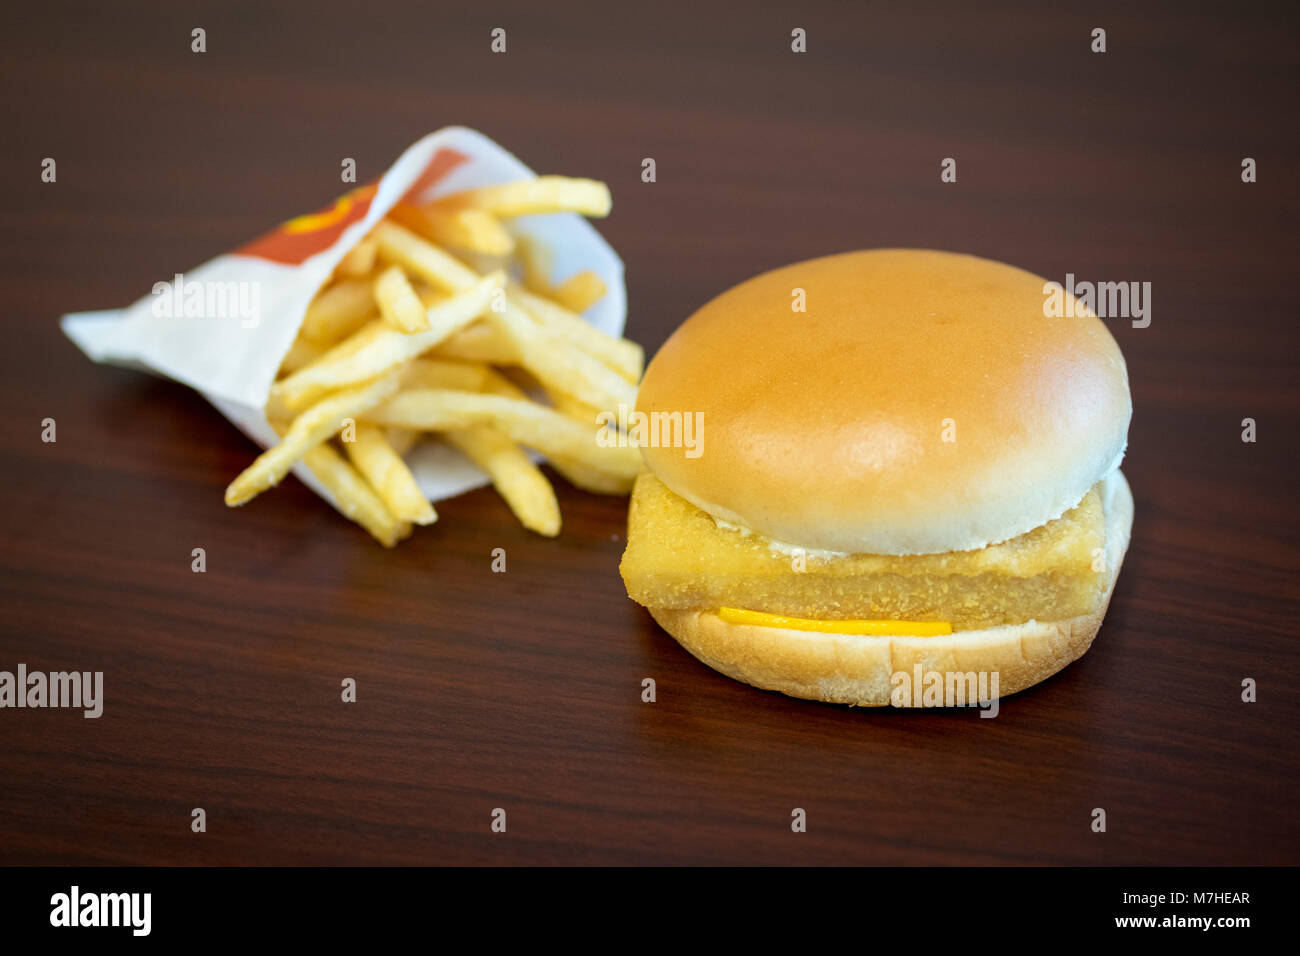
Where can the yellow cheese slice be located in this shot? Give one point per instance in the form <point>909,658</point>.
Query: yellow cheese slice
<point>735,615</point>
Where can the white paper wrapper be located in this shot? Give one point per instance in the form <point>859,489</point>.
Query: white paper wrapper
<point>232,358</point>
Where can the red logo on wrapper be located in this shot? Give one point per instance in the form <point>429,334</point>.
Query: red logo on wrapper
<point>299,239</point>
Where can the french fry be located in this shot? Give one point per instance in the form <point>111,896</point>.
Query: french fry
<point>301,352</point>
<point>567,405</point>
<point>577,473</point>
<point>495,383</point>
<point>524,487</point>
<point>515,477</point>
<point>338,311</point>
<point>399,306</point>
<point>557,364</point>
<point>354,499</point>
<point>422,258</point>
<point>309,429</point>
<point>535,262</point>
<point>590,478</point>
<point>542,352</point>
<point>527,423</point>
<point>471,230</point>
<point>276,410</point>
<point>382,348</point>
<point>623,356</point>
<point>287,403</point>
<point>358,261</point>
<point>580,291</point>
<point>542,194</point>
<point>482,264</point>
<point>402,439</point>
<point>440,373</point>
<point>481,341</point>
<point>388,475</point>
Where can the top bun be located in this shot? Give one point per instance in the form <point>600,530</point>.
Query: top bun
<point>826,429</point>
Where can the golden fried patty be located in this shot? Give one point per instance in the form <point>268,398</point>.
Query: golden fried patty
<point>679,557</point>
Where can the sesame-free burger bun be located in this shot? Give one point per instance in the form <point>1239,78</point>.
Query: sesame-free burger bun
<point>859,669</point>
<point>921,403</point>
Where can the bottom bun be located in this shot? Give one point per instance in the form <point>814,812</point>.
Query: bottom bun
<point>858,670</point>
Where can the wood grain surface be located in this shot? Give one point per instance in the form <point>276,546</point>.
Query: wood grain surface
<point>522,690</point>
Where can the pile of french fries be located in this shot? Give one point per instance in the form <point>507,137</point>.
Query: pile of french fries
<point>443,321</point>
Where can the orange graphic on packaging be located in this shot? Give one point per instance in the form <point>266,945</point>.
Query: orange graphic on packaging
<point>302,237</point>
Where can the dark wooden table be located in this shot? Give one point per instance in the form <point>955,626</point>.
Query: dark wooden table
<point>522,690</point>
